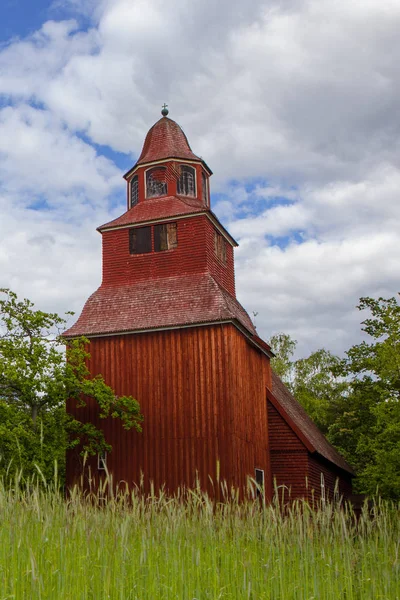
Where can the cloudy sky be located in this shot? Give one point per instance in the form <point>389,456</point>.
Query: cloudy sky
<point>294,104</point>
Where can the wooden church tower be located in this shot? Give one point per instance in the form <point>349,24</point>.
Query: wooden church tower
<point>165,327</point>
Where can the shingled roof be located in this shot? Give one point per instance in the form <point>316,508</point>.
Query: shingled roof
<point>157,208</point>
<point>163,303</point>
<point>292,411</point>
<point>165,140</point>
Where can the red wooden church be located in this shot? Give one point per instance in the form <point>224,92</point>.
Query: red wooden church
<point>165,327</point>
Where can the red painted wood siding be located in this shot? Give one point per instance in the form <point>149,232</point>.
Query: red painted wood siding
<point>194,254</point>
<point>316,468</point>
<point>202,393</point>
<point>289,457</point>
<point>295,468</point>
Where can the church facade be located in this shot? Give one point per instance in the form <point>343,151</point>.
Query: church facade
<point>165,326</point>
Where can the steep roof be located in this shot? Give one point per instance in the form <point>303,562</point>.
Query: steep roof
<point>165,302</point>
<point>165,140</point>
<point>292,411</point>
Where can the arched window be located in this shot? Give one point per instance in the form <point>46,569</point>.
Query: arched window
<point>134,191</point>
<point>187,181</point>
<point>204,191</point>
<point>156,182</point>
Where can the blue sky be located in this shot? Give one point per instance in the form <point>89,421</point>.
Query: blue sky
<point>294,105</point>
<point>21,17</point>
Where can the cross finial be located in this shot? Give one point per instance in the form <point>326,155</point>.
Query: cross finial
<point>164,110</point>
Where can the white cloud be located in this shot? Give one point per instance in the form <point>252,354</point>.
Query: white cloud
<point>301,95</point>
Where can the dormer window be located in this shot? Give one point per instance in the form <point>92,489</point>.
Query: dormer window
<point>187,181</point>
<point>156,182</point>
<point>134,198</point>
<point>204,189</point>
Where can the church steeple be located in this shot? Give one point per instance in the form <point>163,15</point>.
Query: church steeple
<point>167,261</point>
<point>167,167</point>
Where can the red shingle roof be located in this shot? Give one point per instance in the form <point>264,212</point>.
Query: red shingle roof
<point>157,208</point>
<point>165,302</point>
<point>316,441</point>
<point>165,140</point>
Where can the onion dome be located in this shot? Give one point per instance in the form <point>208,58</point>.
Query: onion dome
<point>166,140</point>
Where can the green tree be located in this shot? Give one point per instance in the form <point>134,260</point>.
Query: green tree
<point>367,430</point>
<point>37,377</point>
<point>284,348</point>
<point>314,381</point>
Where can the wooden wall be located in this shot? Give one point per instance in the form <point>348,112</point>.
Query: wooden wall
<point>202,393</point>
<point>331,478</point>
<point>297,473</point>
<point>194,254</point>
<point>289,457</point>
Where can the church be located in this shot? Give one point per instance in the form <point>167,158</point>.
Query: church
<point>165,327</point>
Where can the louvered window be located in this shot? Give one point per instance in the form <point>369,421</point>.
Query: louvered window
<point>187,181</point>
<point>134,191</point>
<point>140,240</point>
<point>220,247</point>
<point>165,237</point>
<point>156,182</point>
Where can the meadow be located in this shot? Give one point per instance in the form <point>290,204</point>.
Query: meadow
<point>133,547</point>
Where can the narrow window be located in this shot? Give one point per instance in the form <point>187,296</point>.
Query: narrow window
<point>165,237</point>
<point>260,481</point>
<point>140,240</point>
<point>187,181</point>
<point>134,191</point>
<point>220,247</point>
<point>156,182</point>
<point>102,461</point>
<point>204,191</point>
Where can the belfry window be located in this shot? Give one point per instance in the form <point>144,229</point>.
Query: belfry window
<point>204,189</point>
<point>156,182</point>
<point>220,247</point>
<point>134,191</point>
<point>187,181</point>
<point>165,237</point>
<point>140,240</point>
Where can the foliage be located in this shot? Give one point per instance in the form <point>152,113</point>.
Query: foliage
<point>158,547</point>
<point>355,400</point>
<point>371,415</point>
<point>36,378</point>
<point>314,380</point>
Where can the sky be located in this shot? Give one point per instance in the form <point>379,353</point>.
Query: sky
<point>294,104</point>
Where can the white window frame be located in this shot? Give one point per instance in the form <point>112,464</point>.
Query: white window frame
<point>130,191</point>
<point>204,180</point>
<point>259,491</point>
<point>102,461</point>
<point>195,180</point>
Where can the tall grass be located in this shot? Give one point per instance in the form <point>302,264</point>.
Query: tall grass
<point>188,547</point>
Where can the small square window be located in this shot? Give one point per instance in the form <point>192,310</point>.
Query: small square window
<point>140,240</point>
<point>260,481</point>
<point>102,461</point>
<point>165,237</point>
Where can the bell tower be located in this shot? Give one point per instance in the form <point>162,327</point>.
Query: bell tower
<point>165,327</point>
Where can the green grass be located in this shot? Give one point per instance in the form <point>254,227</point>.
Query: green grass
<point>133,547</point>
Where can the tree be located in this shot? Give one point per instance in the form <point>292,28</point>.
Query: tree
<point>314,381</point>
<point>283,347</point>
<point>37,377</point>
<point>368,430</point>
<point>355,400</point>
